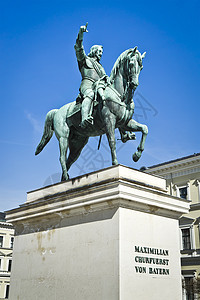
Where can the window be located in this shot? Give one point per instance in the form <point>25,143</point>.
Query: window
<point>186,240</point>
<point>183,192</point>
<point>11,242</point>
<point>9,265</point>
<point>189,288</point>
<point>1,241</point>
<point>7,291</point>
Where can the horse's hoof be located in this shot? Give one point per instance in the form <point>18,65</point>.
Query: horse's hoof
<point>136,156</point>
<point>64,177</point>
<point>115,162</point>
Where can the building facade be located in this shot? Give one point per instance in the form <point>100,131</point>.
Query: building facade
<point>183,180</point>
<point>6,249</point>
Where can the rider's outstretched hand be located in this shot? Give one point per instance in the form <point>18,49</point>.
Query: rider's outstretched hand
<point>84,28</point>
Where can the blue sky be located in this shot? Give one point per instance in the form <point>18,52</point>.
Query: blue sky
<point>38,72</point>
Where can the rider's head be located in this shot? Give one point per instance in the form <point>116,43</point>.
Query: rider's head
<point>96,51</point>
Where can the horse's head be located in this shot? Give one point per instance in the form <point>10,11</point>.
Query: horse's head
<point>127,69</point>
<point>134,66</point>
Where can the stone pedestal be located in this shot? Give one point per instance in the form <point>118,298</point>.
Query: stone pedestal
<point>108,235</point>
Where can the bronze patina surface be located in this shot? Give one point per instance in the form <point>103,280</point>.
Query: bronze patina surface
<point>103,104</point>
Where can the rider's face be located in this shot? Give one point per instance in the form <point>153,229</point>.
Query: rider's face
<point>99,53</point>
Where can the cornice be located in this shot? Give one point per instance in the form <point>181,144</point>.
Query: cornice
<point>195,158</point>
<point>50,207</point>
<point>175,169</point>
<point>195,206</point>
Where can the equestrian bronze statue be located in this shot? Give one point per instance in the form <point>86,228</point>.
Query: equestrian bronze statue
<point>103,104</point>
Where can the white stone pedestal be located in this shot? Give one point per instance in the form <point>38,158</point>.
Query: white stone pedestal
<point>108,235</point>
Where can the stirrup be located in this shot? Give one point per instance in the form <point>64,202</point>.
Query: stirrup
<point>85,123</point>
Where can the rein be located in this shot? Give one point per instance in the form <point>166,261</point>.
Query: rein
<point>123,97</point>
<point>119,96</point>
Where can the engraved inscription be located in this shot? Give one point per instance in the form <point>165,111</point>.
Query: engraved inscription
<point>150,264</point>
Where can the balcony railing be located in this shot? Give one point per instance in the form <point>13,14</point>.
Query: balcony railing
<point>4,273</point>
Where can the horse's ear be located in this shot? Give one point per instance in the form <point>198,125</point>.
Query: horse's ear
<point>143,55</point>
<point>132,51</point>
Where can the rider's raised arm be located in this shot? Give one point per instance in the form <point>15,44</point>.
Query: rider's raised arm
<point>80,53</point>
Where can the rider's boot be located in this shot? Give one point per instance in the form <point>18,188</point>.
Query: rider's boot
<point>86,109</point>
<point>126,135</point>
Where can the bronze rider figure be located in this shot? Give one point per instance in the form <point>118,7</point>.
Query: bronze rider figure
<point>91,72</point>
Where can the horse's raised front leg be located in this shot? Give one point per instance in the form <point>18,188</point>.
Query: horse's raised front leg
<point>135,126</point>
<point>110,132</point>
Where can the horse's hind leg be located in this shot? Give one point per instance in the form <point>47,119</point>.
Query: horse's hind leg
<point>63,145</point>
<point>62,130</point>
<point>76,144</point>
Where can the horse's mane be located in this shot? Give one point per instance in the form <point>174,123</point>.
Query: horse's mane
<point>119,62</point>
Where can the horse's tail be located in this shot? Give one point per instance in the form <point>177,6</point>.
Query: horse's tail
<point>48,131</point>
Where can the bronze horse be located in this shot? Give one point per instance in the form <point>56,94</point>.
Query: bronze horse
<point>115,112</point>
